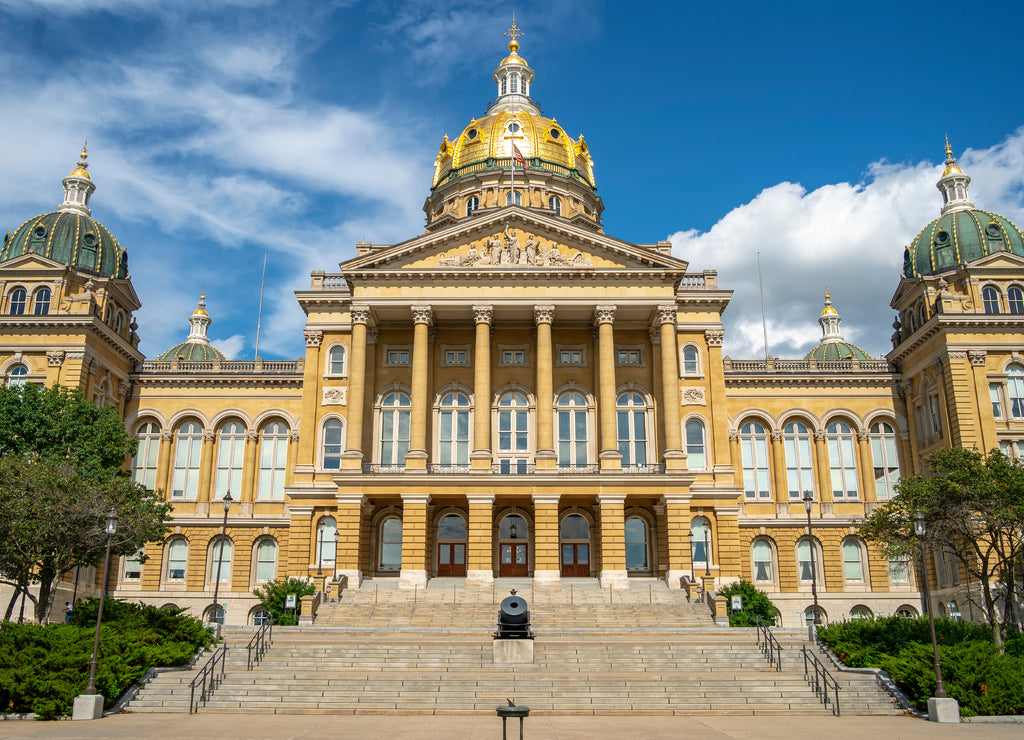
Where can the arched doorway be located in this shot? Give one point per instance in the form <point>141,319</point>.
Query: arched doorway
<point>575,541</point>
<point>513,547</point>
<point>637,550</point>
<point>451,546</point>
<point>389,556</point>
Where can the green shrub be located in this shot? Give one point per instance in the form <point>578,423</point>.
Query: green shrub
<point>272,597</point>
<point>756,605</point>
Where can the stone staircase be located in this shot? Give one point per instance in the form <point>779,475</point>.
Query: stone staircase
<point>384,651</point>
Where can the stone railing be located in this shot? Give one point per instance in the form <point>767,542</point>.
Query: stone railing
<point>507,163</point>
<point>772,365</point>
<point>224,367</point>
<point>320,280</point>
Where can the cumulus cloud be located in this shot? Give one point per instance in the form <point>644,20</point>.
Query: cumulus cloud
<point>848,236</point>
<point>231,347</point>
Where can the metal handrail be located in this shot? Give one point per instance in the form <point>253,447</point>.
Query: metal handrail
<point>260,643</point>
<point>769,645</point>
<point>822,681</point>
<point>208,679</point>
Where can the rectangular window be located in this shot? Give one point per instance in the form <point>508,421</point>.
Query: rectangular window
<point>629,356</point>
<point>395,356</point>
<point>898,571</point>
<point>455,356</point>
<point>513,355</point>
<point>995,393</point>
<point>571,356</point>
<point>133,567</point>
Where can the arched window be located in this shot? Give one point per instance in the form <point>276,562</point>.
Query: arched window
<point>519,198</point>
<point>696,458</point>
<point>146,460</point>
<point>472,204</point>
<point>513,433</point>
<point>230,459</point>
<point>108,314</point>
<point>853,561</point>
<point>573,420</point>
<point>1015,297</point>
<point>884,460</point>
<point>266,560</point>
<point>214,614</point>
<point>691,360</point>
<point>117,322</point>
<point>803,561</point>
<point>453,430</point>
<point>636,544</point>
<point>842,460</point>
<point>860,614</point>
<point>18,375</point>
<point>796,442</point>
<point>177,559</point>
<point>336,361</point>
<point>555,205</point>
<point>906,611</point>
<point>762,556</point>
<point>701,543</point>
<point>332,444</point>
<point>390,556</point>
<point>16,306</point>
<point>754,451</point>
<point>631,424</point>
<point>273,460</point>
<point>326,540</point>
<point>260,617</point>
<point>41,302</point>
<point>1015,390</point>
<point>221,550</point>
<point>187,454</point>
<point>990,297</point>
<point>394,429</point>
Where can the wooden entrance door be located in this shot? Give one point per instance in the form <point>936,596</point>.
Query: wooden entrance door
<point>575,560</point>
<point>451,559</point>
<point>515,560</point>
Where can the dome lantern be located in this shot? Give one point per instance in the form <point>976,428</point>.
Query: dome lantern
<point>196,347</point>
<point>513,77</point>
<point>953,185</point>
<point>833,347</point>
<point>199,321</point>
<point>78,186</point>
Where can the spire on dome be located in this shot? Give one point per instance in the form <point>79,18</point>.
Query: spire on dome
<point>78,186</point>
<point>953,185</point>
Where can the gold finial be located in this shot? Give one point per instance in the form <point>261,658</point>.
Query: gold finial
<point>949,149</point>
<point>84,156</point>
<point>513,33</point>
<point>827,296</point>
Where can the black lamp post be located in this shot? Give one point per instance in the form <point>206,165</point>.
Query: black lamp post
<point>808,498</point>
<point>90,688</point>
<point>220,557</point>
<point>919,530</point>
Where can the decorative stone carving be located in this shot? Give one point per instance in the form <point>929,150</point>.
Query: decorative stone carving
<point>372,334</point>
<point>512,252</point>
<point>714,337</point>
<point>544,314</point>
<point>654,335</point>
<point>694,397</point>
<point>957,354</point>
<point>776,436</point>
<point>55,358</point>
<point>862,436</point>
<point>819,436</point>
<point>252,436</point>
<point>422,313</point>
<point>483,314</point>
<point>734,436</point>
<point>166,436</point>
<point>209,436</point>
<point>293,436</point>
<point>360,314</point>
<point>977,357</point>
<point>334,396</point>
<point>123,387</point>
<point>665,314</point>
<point>604,314</point>
<point>313,337</point>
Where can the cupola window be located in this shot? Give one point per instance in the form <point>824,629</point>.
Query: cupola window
<point>555,204</point>
<point>519,198</point>
<point>472,203</point>
<point>554,133</point>
<point>513,83</point>
<point>993,231</point>
<point>472,134</point>
<point>40,232</point>
<point>504,85</point>
<point>513,128</point>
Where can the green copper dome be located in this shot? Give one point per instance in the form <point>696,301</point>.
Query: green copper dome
<point>958,238</point>
<point>837,350</point>
<point>73,239</point>
<point>192,352</point>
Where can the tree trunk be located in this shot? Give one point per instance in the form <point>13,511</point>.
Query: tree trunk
<point>993,614</point>
<point>12,603</point>
<point>46,577</point>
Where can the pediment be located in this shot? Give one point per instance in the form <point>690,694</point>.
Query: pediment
<point>999,259</point>
<point>32,261</point>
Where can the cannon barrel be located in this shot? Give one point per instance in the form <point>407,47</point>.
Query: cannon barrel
<point>513,618</point>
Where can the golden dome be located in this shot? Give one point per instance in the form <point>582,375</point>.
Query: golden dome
<point>951,165</point>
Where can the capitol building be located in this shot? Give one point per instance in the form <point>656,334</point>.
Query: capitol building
<point>515,393</point>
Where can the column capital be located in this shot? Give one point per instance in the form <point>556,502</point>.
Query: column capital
<point>313,337</point>
<point>360,313</point>
<point>611,498</point>
<point>544,314</point>
<point>415,498</point>
<point>483,314</point>
<point>665,313</point>
<point>422,313</point>
<point>604,314</point>
<point>350,498</point>
<point>480,498</point>
<point>714,337</point>
<point>545,498</point>
<point>55,358</point>
<point>977,357</point>
<point>776,436</point>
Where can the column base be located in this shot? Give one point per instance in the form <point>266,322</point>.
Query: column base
<point>408,579</point>
<point>479,578</point>
<point>674,578</point>
<point>545,460</point>
<point>348,577</point>
<point>416,460</point>
<point>87,706</point>
<point>614,579</point>
<point>352,461</point>
<point>939,710</point>
<point>547,578</point>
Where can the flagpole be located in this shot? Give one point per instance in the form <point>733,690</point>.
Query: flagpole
<point>764,319</point>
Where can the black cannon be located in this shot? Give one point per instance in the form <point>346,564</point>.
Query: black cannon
<point>513,619</point>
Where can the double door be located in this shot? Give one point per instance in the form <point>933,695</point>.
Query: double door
<point>514,559</point>
<point>451,559</point>
<point>575,560</point>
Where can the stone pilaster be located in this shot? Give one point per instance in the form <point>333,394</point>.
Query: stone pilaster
<point>545,457</point>
<point>416,458</point>
<point>349,519</point>
<point>414,540</point>
<point>480,457</point>
<point>613,540</point>
<point>480,549</point>
<point>611,458</point>
<point>546,569</point>
<point>352,459</point>
<point>677,527</point>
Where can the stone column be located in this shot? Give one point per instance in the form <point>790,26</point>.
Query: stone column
<point>675,458</point>
<point>352,459</point>
<point>349,520</point>
<point>311,374</point>
<point>206,466</point>
<point>780,483</point>
<point>249,472</point>
<point>823,473</point>
<point>865,470</point>
<point>480,550</point>
<point>414,540</point>
<point>611,458</point>
<point>416,458</point>
<point>165,461</point>
<point>717,408</point>
<point>480,457</point>
<point>613,540</point>
<point>677,525</point>
<point>545,457</point>
<point>546,570</point>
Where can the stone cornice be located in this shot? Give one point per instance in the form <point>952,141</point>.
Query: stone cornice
<point>85,323</point>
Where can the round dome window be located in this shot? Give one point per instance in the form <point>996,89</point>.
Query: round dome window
<point>942,237</point>
<point>40,232</point>
<point>513,127</point>
<point>994,231</point>
<point>89,239</point>
<point>554,133</point>
<point>472,134</point>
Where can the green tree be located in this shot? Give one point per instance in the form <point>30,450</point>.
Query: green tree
<point>973,507</point>
<point>756,605</point>
<point>272,597</point>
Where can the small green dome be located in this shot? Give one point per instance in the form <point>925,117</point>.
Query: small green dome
<point>192,352</point>
<point>73,239</point>
<point>837,350</point>
<point>960,237</point>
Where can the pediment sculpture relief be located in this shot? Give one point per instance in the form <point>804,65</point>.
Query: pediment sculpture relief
<point>493,252</point>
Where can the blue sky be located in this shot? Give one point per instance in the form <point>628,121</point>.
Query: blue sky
<point>810,132</point>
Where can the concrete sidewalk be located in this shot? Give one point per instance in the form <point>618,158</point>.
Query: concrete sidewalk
<point>392,727</point>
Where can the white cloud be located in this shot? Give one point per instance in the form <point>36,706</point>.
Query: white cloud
<point>231,347</point>
<point>848,236</point>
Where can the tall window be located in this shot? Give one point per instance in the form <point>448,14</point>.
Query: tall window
<point>762,559</point>
<point>187,454</point>
<point>273,460</point>
<point>631,427</point>
<point>754,451</point>
<point>513,83</point>
<point>41,302</point>
<point>336,361</point>
<point>990,297</point>
<point>230,459</point>
<point>796,441</point>
<point>145,462</point>
<point>842,460</point>
<point>390,544</point>
<point>519,198</point>
<point>995,394</point>
<point>696,457</point>
<point>266,560</point>
<point>133,565</point>
<point>221,551</point>
<point>853,561</point>
<point>472,203</point>
<point>513,433</point>
<point>18,375</point>
<point>701,543</point>
<point>19,297</point>
<point>555,204</point>
<point>332,444</point>
<point>177,559</point>
<point>572,415</point>
<point>1015,297</point>
<point>1015,390</point>
<point>394,429</point>
<point>803,560</point>
<point>898,571</point>
<point>326,540</point>
<point>636,544</point>
<point>884,460</point>
<point>690,360</point>
<point>453,430</point>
